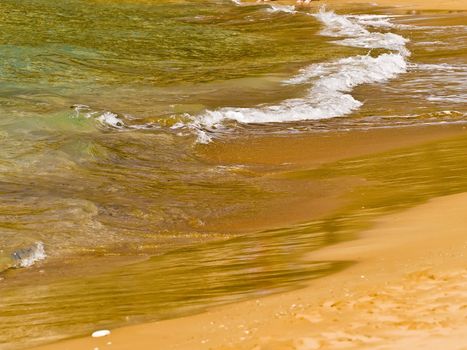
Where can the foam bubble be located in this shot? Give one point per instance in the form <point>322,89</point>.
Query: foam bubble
<point>339,26</point>
<point>377,21</point>
<point>272,8</point>
<point>387,41</point>
<point>110,119</point>
<point>356,35</point>
<point>26,257</point>
<point>282,8</point>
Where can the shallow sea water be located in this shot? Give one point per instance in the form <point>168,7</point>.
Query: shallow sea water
<point>107,205</point>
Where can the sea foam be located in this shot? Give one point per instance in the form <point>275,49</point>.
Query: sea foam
<point>357,35</point>
<point>327,98</point>
<point>110,119</point>
<point>330,83</point>
<point>26,257</point>
<point>281,8</point>
<point>271,7</point>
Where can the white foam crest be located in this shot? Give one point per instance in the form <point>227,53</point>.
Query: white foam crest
<point>282,8</point>
<point>272,8</point>
<point>202,136</point>
<point>388,41</point>
<point>310,72</point>
<point>328,97</point>
<point>105,118</point>
<point>110,119</point>
<point>354,33</point>
<point>331,82</point>
<point>377,21</point>
<point>29,256</point>
<point>339,26</point>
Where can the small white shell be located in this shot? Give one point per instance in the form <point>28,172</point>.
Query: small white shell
<point>101,333</point>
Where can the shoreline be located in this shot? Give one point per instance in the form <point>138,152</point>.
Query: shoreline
<point>443,5</point>
<point>440,5</point>
<point>283,321</point>
<point>394,296</point>
<point>382,141</point>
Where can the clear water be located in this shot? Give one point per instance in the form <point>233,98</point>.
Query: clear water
<point>129,216</point>
<point>73,182</point>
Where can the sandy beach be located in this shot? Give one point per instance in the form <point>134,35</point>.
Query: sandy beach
<point>396,297</point>
<point>404,285</point>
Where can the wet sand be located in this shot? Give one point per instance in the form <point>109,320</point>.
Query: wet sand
<point>319,148</point>
<point>443,5</point>
<point>404,288</point>
<point>408,291</point>
<point>301,201</point>
<point>412,4</point>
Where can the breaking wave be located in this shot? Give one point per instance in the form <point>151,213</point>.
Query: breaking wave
<point>331,83</point>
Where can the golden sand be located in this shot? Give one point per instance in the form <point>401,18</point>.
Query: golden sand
<point>408,291</point>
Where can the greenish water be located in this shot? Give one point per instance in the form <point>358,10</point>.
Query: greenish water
<point>144,59</point>
<point>100,164</point>
<point>75,183</point>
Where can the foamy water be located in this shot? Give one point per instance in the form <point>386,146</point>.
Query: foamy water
<point>22,257</point>
<point>331,83</point>
<point>27,257</point>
